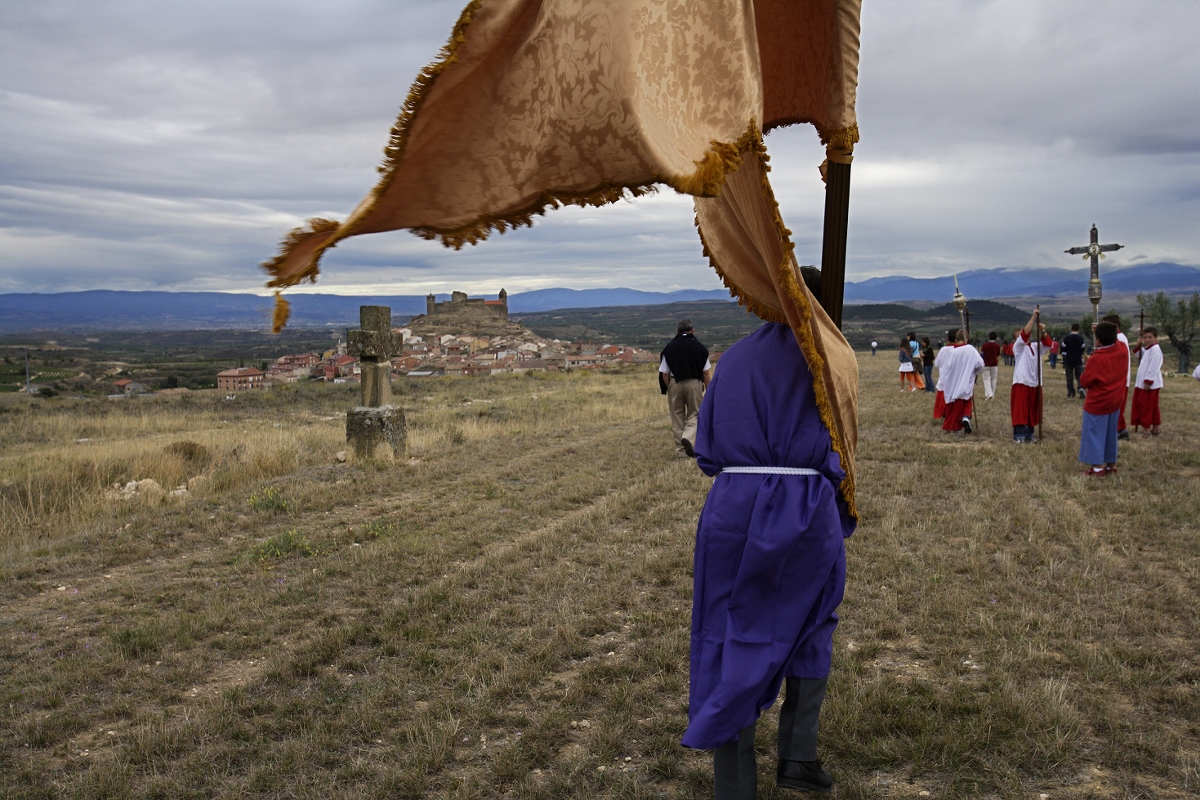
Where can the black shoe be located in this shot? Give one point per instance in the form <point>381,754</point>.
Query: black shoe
<point>966,424</point>
<point>1123,435</point>
<point>803,775</point>
<point>687,448</point>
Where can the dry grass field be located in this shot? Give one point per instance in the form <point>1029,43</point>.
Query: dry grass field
<point>505,614</point>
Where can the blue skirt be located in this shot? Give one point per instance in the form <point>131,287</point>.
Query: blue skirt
<point>1098,442</point>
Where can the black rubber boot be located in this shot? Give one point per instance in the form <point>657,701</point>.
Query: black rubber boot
<point>735,773</point>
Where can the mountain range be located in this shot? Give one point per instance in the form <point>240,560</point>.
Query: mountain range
<point>120,310</point>
<point>1014,282</point>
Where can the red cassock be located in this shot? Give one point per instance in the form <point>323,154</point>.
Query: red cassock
<point>1024,405</point>
<point>954,413</point>
<point>939,405</point>
<point>1144,411</point>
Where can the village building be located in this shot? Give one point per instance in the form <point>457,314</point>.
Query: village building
<point>129,387</point>
<point>234,380</point>
<point>337,366</point>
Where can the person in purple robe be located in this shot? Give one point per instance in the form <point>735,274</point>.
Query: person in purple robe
<point>770,564</point>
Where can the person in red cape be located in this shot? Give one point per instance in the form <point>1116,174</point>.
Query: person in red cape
<point>1144,412</point>
<point>957,364</point>
<point>1025,402</point>
<point>1104,377</point>
<point>1115,319</point>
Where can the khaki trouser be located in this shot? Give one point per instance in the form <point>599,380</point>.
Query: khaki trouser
<point>683,399</point>
<point>989,381</point>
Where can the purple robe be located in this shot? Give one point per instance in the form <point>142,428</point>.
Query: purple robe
<point>770,564</point>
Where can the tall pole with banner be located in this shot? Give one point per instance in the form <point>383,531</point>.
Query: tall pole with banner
<point>833,242</point>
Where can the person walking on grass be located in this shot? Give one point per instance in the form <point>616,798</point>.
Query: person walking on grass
<point>907,384</point>
<point>918,364</point>
<point>874,344</point>
<point>770,562</point>
<point>1144,411</point>
<point>991,365</point>
<point>1025,401</point>
<point>957,367</point>
<point>927,363</point>
<point>1104,378</point>
<point>683,373</point>
<point>1073,345</point>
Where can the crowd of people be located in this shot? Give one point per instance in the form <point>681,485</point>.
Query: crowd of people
<point>1101,377</point>
<point>770,568</point>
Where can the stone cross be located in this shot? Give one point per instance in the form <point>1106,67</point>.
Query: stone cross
<point>376,429</point>
<point>1095,251</point>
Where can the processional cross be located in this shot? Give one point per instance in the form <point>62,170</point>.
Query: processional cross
<point>1095,251</point>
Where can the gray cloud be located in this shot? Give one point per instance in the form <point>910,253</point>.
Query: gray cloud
<point>171,145</point>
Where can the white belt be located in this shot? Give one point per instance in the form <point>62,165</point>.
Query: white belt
<point>771,470</point>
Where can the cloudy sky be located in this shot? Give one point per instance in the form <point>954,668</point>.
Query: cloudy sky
<point>169,144</point>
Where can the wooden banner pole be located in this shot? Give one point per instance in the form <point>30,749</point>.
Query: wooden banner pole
<point>833,243</point>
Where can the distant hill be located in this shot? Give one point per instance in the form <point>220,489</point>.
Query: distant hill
<point>141,311</point>
<point>550,299</point>
<point>1012,282</point>
<point>720,324</point>
<point>103,310</point>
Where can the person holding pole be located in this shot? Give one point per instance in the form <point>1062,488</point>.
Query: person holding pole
<point>958,364</point>
<point>1025,401</point>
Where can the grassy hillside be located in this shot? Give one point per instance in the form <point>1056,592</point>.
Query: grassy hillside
<point>505,613</point>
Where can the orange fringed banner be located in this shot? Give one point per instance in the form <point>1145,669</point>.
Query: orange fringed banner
<point>533,104</point>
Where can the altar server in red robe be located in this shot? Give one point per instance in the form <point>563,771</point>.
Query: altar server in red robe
<point>1144,411</point>
<point>958,364</point>
<point>1025,402</point>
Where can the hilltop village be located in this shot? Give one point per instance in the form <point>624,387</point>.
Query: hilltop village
<point>459,337</point>
<point>463,354</point>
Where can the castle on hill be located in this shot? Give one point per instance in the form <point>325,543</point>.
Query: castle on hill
<point>459,302</point>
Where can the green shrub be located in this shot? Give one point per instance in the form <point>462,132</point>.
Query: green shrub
<point>268,499</point>
<point>284,545</point>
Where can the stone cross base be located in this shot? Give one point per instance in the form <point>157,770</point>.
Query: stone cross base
<point>376,383</point>
<point>376,434</point>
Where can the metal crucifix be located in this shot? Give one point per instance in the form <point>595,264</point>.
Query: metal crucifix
<point>1095,251</point>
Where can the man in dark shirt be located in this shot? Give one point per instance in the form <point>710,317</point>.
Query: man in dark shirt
<point>1073,345</point>
<point>991,365</point>
<point>683,374</point>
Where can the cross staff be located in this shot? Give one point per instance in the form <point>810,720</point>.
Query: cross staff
<point>960,302</point>
<point>1094,251</point>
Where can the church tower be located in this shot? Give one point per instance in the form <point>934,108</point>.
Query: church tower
<point>503,303</point>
